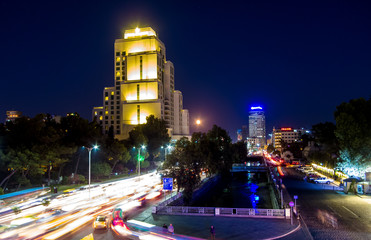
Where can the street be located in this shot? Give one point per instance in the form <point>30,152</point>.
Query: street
<point>330,214</point>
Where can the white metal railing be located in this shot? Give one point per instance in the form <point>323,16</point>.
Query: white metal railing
<point>225,212</point>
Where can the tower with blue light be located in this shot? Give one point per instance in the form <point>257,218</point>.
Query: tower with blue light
<point>257,137</point>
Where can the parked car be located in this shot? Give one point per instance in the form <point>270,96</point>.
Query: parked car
<point>323,180</point>
<point>311,177</point>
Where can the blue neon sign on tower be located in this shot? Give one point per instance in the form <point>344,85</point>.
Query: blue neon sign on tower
<point>256,108</point>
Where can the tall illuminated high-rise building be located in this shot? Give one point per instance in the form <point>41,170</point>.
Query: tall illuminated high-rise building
<point>143,86</point>
<point>257,127</point>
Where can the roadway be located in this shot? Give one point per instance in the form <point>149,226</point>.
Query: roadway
<point>330,214</point>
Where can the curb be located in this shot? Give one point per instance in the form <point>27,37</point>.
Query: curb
<point>286,234</point>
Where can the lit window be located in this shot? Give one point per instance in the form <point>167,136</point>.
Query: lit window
<point>95,113</point>
<point>118,74</point>
<point>118,59</point>
<point>112,93</point>
<point>106,99</point>
<point>100,117</point>
<point>106,112</point>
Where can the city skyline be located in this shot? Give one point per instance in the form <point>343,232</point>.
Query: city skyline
<point>298,61</point>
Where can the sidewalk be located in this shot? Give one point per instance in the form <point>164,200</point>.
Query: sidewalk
<point>231,228</point>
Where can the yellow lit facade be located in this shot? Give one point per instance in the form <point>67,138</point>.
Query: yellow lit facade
<point>144,85</point>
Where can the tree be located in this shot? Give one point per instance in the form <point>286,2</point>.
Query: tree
<point>153,134</point>
<point>100,170</point>
<point>353,131</point>
<point>116,152</point>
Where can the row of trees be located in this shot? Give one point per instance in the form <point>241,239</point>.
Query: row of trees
<point>211,153</point>
<point>41,150</point>
<point>345,144</point>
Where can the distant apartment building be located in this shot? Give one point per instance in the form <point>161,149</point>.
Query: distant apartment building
<point>11,116</point>
<point>143,86</point>
<point>257,132</point>
<point>288,135</point>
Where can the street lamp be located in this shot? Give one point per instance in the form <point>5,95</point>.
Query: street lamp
<point>89,149</point>
<point>169,147</point>
<point>140,158</point>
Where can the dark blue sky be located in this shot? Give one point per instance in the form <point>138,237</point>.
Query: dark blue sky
<point>298,59</point>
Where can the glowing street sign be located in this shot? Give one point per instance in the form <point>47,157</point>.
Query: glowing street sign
<point>255,108</point>
<point>286,129</point>
<point>168,184</point>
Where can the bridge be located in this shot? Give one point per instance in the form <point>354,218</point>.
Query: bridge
<point>244,168</point>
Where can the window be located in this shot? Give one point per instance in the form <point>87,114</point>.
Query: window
<point>106,122</point>
<point>118,59</point>
<point>100,117</point>
<point>95,113</point>
<point>112,107</point>
<point>105,103</point>
<point>138,91</point>
<point>117,63</point>
<point>117,68</point>
<point>112,112</point>
<point>106,94</point>
<point>118,88</point>
<point>118,54</point>
<point>138,113</point>
<point>118,132</point>
<point>117,107</point>
<point>117,78</point>
<point>100,113</point>
<point>106,99</point>
<point>118,102</point>
<point>112,122</point>
<point>105,117</point>
<point>141,67</point>
<point>117,117</point>
<point>118,112</point>
<point>112,97</point>
<point>112,93</point>
<point>118,97</point>
<point>118,122</point>
<point>112,117</point>
<point>123,77</point>
<point>123,53</point>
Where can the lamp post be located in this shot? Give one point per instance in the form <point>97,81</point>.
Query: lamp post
<point>90,149</point>
<point>168,149</point>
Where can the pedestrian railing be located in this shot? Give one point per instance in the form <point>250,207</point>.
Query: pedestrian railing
<point>225,212</point>
<point>331,187</point>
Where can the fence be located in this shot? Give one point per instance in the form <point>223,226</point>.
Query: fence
<point>224,212</point>
<point>331,187</point>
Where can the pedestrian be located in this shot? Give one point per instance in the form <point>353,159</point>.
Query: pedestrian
<point>164,228</point>
<point>212,232</point>
<point>171,229</point>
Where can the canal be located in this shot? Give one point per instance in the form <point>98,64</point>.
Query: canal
<point>241,190</point>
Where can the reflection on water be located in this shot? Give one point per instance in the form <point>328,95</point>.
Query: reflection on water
<point>242,190</point>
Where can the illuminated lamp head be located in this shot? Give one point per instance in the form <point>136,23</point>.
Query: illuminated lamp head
<point>137,30</point>
<point>256,108</point>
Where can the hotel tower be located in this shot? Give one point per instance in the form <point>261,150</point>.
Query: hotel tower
<point>143,86</point>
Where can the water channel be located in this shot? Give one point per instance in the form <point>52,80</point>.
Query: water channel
<point>241,190</point>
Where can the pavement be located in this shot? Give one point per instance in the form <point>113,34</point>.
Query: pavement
<point>330,214</point>
<point>231,228</point>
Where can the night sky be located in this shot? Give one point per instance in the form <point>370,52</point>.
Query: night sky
<point>298,60</point>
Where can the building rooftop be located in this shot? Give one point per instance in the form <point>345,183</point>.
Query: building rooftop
<point>139,32</point>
